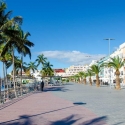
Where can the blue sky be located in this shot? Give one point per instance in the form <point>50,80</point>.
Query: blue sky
<point>71,31</point>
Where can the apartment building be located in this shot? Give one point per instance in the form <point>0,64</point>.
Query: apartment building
<point>108,74</point>
<point>73,70</point>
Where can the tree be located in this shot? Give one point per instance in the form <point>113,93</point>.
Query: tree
<point>5,58</point>
<point>8,32</point>
<point>76,78</point>
<point>116,63</point>
<point>96,69</point>
<point>90,73</point>
<point>31,67</point>
<point>84,77</point>
<point>81,76</point>
<point>41,60</point>
<point>6,22</point>
<point>48,68</point>
<point>25,48</point>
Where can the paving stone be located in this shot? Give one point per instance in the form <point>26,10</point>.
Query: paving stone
<point>46,108</point>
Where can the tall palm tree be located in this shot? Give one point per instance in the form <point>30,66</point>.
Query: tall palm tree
<point>8,33</point>
<point>10,45</point>
<point>41,60</point>
<point>96,69</point>
<point>116,63</point>
<point>90,73</point>
<point>81,76</point>
<point>84,75</point>
<point>25,46</point>
<point>5,26</point>
<point>5,58</point>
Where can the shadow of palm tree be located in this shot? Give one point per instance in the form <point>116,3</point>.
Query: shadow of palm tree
<point>23,120</point>
<point>72,119</point>
<point>96,121</point>
<point>66,121</point>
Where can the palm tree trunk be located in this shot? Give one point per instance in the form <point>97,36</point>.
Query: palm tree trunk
<point>90,81</point>
<point>85,81</point>
<point>14,74</point>
<point>21,89</point>
<point>6,80</point>
<point>97,81</point>
<point>118,87</point>
<point>0,89</point>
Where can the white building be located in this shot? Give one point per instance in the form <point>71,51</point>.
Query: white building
<point>108,74</point>
<point>73,70</point>
<point>37,74</point>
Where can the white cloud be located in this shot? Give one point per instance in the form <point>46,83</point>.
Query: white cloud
<point>72,57</point>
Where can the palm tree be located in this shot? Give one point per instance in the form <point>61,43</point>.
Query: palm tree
<point>31,67</point>
<point>5,27</point>
<point>96,69</point>
<point>5,58</point>
<point>48,68</point>
<point>116,63</point>
<point>76,77</point>
<point>84,77</point>
<point>8,33</point>
<point>44,72</point>
<point>18,65</point>
<point>41,60</point>
<point>25,48</point>
<point>6,22</point>
<point>90,73</point>
<point>81,76</point>
<point>10,45</point>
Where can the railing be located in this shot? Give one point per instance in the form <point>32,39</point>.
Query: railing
<point>9,93</point>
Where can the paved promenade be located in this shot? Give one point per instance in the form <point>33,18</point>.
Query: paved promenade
<point>71,104</point>
<point>103,101</point>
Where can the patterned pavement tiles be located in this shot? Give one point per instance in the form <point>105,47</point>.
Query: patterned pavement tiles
<point>44,108</point>
<point>102,101</point>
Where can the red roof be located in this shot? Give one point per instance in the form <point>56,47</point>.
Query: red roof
<point>59,70</point>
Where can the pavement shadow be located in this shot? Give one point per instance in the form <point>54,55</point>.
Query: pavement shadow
<point>79,103</point>
<point>96,121</point>
<point>28,118</point>
<point>54,88</point>
<point>68,84</point>
<point>72,119</point>
<point>66,121</point>
<point>23,120</point>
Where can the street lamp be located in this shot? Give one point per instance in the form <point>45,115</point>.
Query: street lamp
<point>109,39</point>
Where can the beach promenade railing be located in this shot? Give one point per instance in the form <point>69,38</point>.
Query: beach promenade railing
<point>8,93</point>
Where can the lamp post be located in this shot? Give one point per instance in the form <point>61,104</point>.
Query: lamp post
<point>109,39</point>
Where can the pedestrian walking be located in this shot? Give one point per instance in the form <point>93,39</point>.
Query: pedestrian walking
<point>42,85</point>
<point>37,87</point>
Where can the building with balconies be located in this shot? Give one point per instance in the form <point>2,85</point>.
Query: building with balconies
<point>73,70</point>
